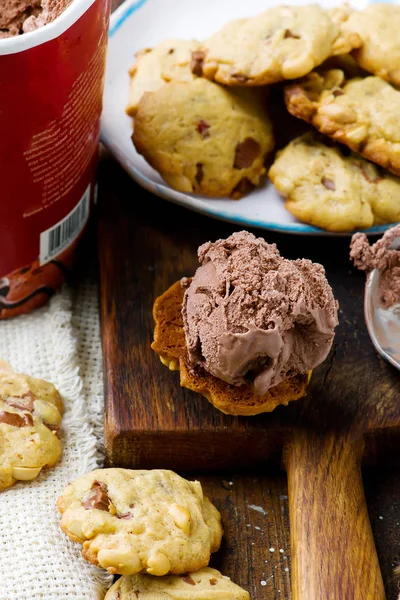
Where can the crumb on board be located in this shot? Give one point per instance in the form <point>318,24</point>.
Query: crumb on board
<point>257,508</point>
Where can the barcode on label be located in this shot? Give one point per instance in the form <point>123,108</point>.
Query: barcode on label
<point>57,238</point>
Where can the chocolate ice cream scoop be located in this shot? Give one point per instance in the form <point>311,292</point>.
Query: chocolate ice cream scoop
<point>382,290</point>
<point>252,316</point>
<point>383,256</point>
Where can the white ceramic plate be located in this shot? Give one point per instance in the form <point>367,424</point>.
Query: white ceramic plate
<point>139,24</point>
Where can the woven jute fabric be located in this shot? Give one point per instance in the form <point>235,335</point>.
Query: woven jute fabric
<point>59,343</point>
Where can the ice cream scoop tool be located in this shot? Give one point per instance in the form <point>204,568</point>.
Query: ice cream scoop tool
<point>383,323</point>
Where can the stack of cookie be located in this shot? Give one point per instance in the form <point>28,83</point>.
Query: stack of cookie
<point>155,528</point>
<point>202,118</point>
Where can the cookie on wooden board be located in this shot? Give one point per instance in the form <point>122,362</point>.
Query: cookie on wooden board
<point>169,343</point>
<point>141,521</point>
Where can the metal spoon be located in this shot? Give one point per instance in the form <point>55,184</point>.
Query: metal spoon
<point>383,323</point>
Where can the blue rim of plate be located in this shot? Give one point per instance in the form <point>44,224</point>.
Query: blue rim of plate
<point>118,18</point>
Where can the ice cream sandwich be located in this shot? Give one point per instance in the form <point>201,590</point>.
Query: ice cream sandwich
<point>248,328</point>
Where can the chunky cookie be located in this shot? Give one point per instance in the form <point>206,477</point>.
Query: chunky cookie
<point>217,140</point>
<point>141,521</point>
<point>333,188</point>
<point>362,113</point>
<point>378,26</point>
<point>205,584</point>
<point>30,417</point>
<point>170,60</point>
<point>283,42</point>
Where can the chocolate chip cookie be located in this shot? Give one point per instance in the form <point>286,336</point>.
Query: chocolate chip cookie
<point>217,140</point>
<point>362,113</point>
<point>378,26</point>
<point>170,60</point>
<point>30,417</point>
<point>141,521</point>
<point>284,42</point>
<point>333,188</point>
<point>205,583</point>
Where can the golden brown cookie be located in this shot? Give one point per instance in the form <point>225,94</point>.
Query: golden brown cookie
<point>141,521</point>
<point>378,26</point>
<point>362,113</point>
<point>217,140</point>
<point>153,67</point>
<point>335,189</point>
<point>169,343</point>
<point>284,42</point>
<point>205,584</point>
<point>30,417</point>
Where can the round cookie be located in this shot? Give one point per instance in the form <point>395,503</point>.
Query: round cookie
<point>141,521</point>
<point>334,190</point>
<point>30,417</point>
<point>170,60</point>
<point>205,583</point>
<point>217,140</point>
<point>378,26</point>
<point>284,42</point>
<point>362,113</point>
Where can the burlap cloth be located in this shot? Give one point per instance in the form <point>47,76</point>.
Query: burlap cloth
<point>60,343</point>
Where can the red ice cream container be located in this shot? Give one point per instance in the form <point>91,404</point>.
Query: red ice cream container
<point>51,86</point>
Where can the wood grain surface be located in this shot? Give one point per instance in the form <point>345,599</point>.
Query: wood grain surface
<point>255,548</point>
<point>329,520</point>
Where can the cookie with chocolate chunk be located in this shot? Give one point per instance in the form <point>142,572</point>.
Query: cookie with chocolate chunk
<point>362,113</point>
<point>30,418</point>
<point>141,521</point>
<point>153,67</point>
<point>328,186</point>
<point>283,42</point>
<point>217,140</point>
<point>205,583</point>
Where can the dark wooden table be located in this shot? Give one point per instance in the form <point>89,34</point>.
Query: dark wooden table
<point>252,536</point>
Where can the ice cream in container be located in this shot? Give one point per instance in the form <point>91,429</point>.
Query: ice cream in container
<point>52,63</point>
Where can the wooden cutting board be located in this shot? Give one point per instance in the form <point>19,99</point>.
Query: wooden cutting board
<point>351,412</point>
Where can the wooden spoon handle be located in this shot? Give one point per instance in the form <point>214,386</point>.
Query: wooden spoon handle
<point>332,547</point>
